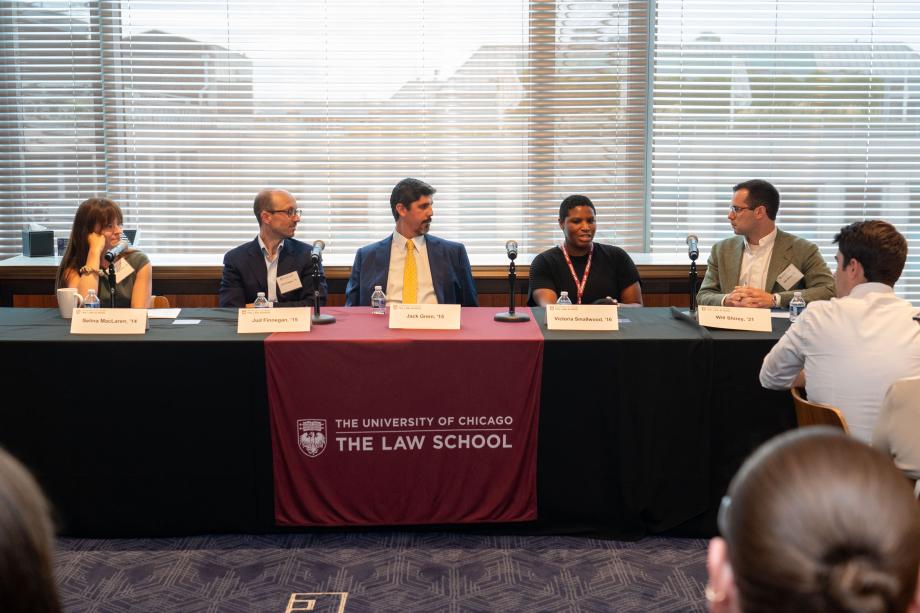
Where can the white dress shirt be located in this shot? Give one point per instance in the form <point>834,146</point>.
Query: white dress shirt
<point>394,287</point>
<point>852,349</point>
<point>756,262</point>
<point>271,265</point>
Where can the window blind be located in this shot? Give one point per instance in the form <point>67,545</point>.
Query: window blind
<point>821,98</point>
<point>51,116</point>
<point>182,112</point>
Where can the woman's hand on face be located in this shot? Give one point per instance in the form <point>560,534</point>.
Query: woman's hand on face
<point>96,242</point>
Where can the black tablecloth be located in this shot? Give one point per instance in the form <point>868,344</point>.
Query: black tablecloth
<point>164,433</point>
<point>744,414</point>
<point>624,428</point>
<point>640,430</point>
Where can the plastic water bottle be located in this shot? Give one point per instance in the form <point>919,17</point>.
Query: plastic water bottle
<point>261,302</point>
<point>378,301</point>
<point>796,306</point>
<point>92,300</point>
<point>564,298</point>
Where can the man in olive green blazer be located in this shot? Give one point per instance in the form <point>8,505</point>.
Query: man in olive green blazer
<point>762,266</point>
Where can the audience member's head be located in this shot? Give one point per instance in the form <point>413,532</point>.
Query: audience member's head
<point>816,521</point>
<point>26,541</point>
<point>869,251</point>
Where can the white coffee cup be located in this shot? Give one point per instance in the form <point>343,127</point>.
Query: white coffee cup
<point>68,299</point>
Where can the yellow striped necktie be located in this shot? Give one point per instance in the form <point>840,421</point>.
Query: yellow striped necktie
<point>410,276</point>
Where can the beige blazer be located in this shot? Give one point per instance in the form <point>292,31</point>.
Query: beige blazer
<point>724,268</point>
<point>897,431</point>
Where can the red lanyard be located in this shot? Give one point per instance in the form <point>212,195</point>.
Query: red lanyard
<point>579,285</point>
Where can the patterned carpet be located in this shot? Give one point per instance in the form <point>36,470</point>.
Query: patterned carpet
<point>388,571</point>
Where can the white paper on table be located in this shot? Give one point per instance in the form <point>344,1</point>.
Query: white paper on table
<point>162,313</point>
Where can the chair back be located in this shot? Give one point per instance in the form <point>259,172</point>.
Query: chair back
<point>813,414</point>
<point>160,302</point>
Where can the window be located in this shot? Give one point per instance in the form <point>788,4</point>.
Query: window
<point>820,98</point>
<point>182,111</point>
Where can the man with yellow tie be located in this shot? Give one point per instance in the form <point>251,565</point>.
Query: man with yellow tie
<point>412,266</point>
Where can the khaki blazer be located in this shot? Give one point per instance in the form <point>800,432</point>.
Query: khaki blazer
<point>897,431</point>
<point>724,268</point>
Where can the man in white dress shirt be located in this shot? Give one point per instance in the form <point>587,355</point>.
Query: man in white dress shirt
<point>852,348</point>
<point>762,266</point>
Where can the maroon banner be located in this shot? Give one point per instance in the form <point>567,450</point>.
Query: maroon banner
<point>372,426</point>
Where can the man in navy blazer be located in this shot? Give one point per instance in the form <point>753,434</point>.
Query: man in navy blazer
<point>442,267</point>
<point>275,262</point>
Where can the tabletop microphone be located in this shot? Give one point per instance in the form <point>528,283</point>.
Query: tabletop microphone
<point>693,249</point>
<point>511,316</point>
<point>318,247</point>
<point>115,251</point>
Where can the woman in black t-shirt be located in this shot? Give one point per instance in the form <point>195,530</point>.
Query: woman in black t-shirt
<point>588,271</point>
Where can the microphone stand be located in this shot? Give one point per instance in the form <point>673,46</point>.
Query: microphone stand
<point>111,280</point>
<point>317,317</point>
<point>693,281</point>
<point>510,316</point>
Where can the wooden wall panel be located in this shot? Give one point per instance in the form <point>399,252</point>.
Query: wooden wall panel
<point>35,301</point>
<point>190,301</point>
<point>196,286</point>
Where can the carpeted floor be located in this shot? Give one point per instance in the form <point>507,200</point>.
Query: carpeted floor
<point>381,571</point>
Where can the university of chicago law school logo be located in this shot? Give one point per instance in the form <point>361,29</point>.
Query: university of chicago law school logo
<point>311,436</point>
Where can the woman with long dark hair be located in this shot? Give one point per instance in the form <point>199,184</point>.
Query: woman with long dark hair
<point>97,229</point>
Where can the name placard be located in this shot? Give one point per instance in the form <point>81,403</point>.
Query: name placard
<point>109,321</point>
<point>425,316</point>
<point>582,317</point>
<point>295,319</point>
<point>735,318</point>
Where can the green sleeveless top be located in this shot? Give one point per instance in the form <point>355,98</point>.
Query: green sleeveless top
<point>123,290</point>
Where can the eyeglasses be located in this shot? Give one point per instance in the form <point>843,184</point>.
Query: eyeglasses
<point>288,212</point>
<point>737,209</point>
